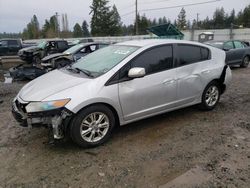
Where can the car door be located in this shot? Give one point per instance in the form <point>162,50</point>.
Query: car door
<point>153,93</point>
<point>13,47</point>
<point>191,69</point>
<point>239,51</point>
<point>231,57</point>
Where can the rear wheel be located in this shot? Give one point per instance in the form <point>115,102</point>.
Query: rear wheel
<point>210,96</point>
<point>245,62</point>
<point>92,126</point>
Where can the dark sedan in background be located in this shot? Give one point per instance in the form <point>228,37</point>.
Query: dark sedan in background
<point>237,52</point>
<point>72,54</point>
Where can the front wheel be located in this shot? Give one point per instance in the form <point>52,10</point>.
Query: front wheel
<point>210,96</point>
<point>245,62</point>
<point>92,126</point>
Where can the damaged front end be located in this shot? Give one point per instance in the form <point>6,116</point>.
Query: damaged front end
<point>56,119</point>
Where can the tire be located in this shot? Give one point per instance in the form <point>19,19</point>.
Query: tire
<point>37,60</point>
<point>95,133</point>
<point>210,96</point>
<point>245,62</point>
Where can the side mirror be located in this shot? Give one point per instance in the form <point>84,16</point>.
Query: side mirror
<point>226,49</point>
<point>136,72</point>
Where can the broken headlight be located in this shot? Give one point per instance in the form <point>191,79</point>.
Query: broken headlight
<point>46,106</point>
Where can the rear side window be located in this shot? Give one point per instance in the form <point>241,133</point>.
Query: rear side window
<point>155,60</point>
<point>188,54</point>
<point>238,45</point>
<point>205,54</point>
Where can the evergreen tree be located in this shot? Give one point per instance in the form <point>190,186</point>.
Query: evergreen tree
<point>32,30</point>
<point>181,21</point>
<point>77,31</point>
<point>85,29</point>
<point>100,17</point>
<point>115,22</point>
<point>219,18</point>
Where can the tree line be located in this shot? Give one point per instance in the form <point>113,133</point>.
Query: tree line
<point>106,21</point>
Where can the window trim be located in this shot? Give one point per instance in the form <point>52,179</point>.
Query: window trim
<point>178,54</point>
<point>111,81</point>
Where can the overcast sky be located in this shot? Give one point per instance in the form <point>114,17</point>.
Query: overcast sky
<point>15,14</point>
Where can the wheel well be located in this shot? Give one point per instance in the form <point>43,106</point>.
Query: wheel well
<point>117,120</point>
<point>247,55</point>
<point>221,85</point>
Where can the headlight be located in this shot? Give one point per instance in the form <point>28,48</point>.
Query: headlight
<point>46,106</point>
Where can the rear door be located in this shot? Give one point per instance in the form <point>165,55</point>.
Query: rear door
<point>192,70</point>
<point>239,50</point>
<point>231,53</point>
<point>153,93</point>
<point>13,47</point>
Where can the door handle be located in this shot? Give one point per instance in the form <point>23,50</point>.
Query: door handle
<point>206,72</point>
<point>169,81</point>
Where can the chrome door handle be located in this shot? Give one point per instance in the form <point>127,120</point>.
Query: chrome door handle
<point>205,72</point>
<point>169,81</point>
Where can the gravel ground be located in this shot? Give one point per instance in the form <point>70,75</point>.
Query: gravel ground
<point>184,148</point>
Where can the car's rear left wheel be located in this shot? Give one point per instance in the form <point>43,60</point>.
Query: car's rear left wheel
<point>92,126</point>
<point>210,96</point>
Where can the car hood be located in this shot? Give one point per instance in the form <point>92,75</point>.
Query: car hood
<point>53,56</point>
<point>50,84</point>
<point>30,49</point>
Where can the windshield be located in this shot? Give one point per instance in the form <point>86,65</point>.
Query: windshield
<point>216,44</point>
<point>101,61</point>
<point>73,49</point>
<point>42,44</point>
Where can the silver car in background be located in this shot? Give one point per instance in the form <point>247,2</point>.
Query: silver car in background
<point>121,84</point>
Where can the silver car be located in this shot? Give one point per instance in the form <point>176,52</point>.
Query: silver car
<point>121,84</point>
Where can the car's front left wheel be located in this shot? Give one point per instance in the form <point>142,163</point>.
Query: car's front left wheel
<point>92,126</point>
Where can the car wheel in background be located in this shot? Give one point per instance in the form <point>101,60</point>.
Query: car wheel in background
<point>36,60</point>
<point>92,126</point>
<point>210,96</point>
<point>245,62</point>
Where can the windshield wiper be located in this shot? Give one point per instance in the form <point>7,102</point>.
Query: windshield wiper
<point>77,70</point>
<point>88,73</point>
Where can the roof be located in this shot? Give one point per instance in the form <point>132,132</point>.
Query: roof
<point>166,30</point>
<point>152,42</point>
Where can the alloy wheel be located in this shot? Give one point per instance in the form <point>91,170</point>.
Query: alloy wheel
<point>94,127</point>
<point>212,96</point>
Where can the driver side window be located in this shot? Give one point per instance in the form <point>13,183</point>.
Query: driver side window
<point>155,60</point>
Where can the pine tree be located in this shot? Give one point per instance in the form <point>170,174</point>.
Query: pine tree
<point>181,21</point>
<point>115,22</point>
<point>100,17</point>
<point>219,18</point>
<point>77,32</point>
<point>85,29</point>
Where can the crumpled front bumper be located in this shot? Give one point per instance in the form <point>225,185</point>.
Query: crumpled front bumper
<point>54,118</point>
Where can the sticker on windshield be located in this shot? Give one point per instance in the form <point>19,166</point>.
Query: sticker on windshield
<point>122,52</point>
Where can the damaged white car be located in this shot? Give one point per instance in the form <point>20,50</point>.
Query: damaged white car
<point>121,84</point>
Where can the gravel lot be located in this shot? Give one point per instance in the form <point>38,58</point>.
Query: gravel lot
<point>185,148</point>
